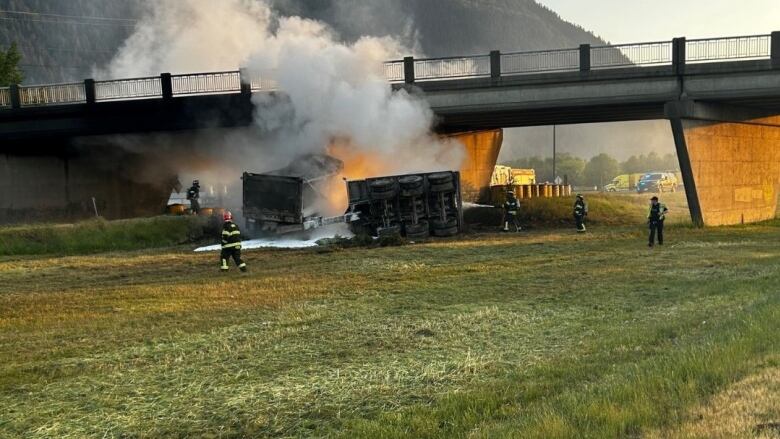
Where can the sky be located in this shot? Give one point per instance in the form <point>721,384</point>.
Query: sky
<point>629,21</point>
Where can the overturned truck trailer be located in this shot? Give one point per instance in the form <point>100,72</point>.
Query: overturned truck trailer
<point>413,205</point>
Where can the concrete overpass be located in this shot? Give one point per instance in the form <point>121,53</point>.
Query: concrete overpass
<point>721,95</point>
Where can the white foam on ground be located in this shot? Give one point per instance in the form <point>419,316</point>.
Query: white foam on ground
<point>473,205</point>
<point>296,240</point>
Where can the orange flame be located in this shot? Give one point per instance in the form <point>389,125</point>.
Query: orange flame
<point>357,165</point>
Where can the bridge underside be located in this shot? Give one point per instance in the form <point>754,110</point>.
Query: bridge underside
<point>723,118</point>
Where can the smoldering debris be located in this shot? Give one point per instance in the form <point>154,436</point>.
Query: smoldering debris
<point>312,167</point>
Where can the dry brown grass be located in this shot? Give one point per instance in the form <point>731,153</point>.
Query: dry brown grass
<point>749,408</point>
<point>158,343</point>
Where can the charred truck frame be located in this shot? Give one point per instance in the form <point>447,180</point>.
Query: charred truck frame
<point>412,205</point>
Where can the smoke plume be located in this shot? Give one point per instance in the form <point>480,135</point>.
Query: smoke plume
<point>334,96</point>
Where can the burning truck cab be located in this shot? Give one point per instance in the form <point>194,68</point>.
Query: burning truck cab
<point>293,199</point>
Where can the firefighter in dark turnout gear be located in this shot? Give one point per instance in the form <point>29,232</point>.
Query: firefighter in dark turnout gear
<point>511,208</point>
<point>193,194</point>
<point>655,220</point>
<point>231,244</point>
<point>580,212</point>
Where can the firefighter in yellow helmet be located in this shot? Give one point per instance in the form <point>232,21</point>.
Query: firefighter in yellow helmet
<point>231,243</point>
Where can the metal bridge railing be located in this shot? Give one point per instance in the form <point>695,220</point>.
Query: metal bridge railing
<point>206,83</point>
<point>519,63</point>
<point>72,93</point>
<point>631,55</point>
<point>452,68</point>
<point>128,89</point>
<point>394,71</point>
<point>494,65</point>
<point>263,82</point>
<point>5,97</point>
<point>729,48</point>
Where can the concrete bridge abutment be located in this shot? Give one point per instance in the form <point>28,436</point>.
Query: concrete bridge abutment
<point>481,153</point>
<point>730,161</point>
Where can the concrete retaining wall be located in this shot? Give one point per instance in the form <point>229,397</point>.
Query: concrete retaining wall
<point>50,188</point>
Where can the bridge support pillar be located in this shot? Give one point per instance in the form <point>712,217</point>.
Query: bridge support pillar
<point>730,160</point>
<point>482,148</point>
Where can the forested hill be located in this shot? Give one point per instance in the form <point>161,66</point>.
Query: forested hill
<point>63,40</point>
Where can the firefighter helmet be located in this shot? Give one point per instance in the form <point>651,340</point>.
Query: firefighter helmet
<point>227,216</point>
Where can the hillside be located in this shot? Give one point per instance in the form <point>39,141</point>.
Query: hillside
<point>65,40</point>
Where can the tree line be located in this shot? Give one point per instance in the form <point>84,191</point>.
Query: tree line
<point>597,171</point>
<point>9,66</point>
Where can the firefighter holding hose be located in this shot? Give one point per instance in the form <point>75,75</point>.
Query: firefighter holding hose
<point>231,243</point>
<point>511,207</point>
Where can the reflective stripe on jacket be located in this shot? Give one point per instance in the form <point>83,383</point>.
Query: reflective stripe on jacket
<point>231,236</point>
<point>657,212</point>
<point>580,208</point>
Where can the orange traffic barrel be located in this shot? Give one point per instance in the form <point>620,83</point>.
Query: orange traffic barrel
<point>177,209</point>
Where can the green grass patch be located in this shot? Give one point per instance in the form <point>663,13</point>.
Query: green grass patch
<point>543,334</point>
<point>99,235</point>
<point>604,209</point>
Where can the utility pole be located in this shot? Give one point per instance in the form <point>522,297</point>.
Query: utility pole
<point>554,174</point>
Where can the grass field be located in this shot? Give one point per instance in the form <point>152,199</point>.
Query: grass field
<point>541,334</point>
<point>621,208</point>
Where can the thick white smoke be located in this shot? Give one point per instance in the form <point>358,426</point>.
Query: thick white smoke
<point>334,91</point>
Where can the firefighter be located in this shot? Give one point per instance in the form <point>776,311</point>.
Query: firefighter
<point>231,243</point>
<point>655,220</point>
<point>580,212</point>
<point>193,194</point>
<point>511,207</point>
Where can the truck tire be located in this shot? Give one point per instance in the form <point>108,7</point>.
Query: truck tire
<point>393,230</point>
<point>440,178</point>
<point>381,185</point>
<point>410,181</point>
<point>438,223</point>
<point>420,230</point>
<point>443,233</point>
<point>442,187</point>
<point>415,192</point>
<point>379,196</point>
